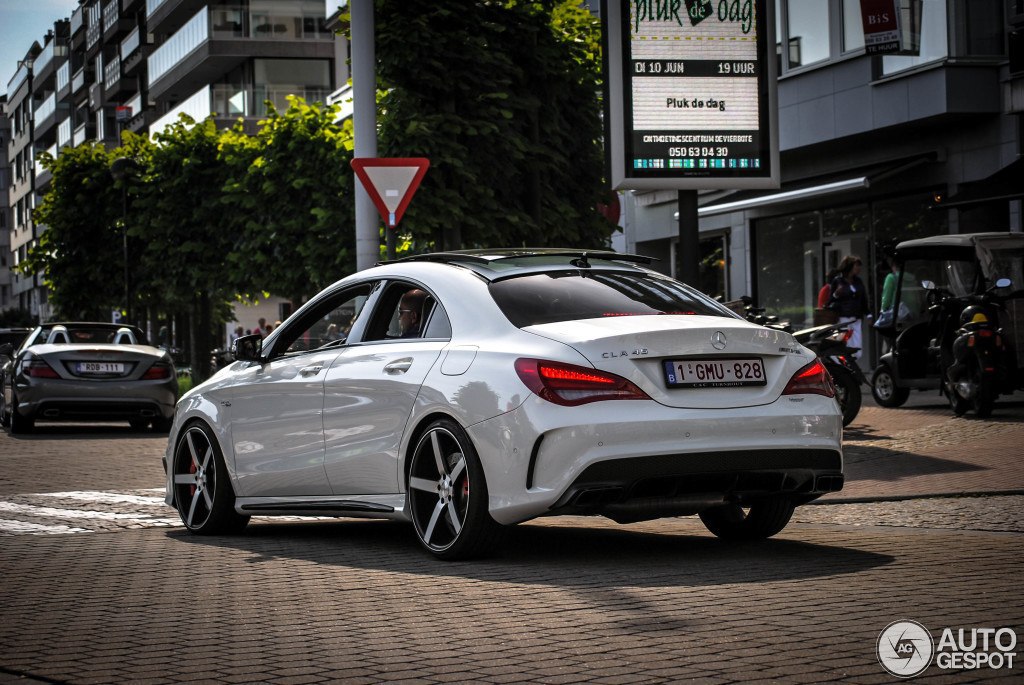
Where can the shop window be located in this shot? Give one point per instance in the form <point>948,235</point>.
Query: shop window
<point>712,270</point>
<point>985,32</point>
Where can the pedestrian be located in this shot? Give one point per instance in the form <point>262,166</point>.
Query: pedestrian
<point>822,315</point>
<point>850,300</point>
<point>261,324</point>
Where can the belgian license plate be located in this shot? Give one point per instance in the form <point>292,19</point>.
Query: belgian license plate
<point>719,372</point>
<point>99,367</point>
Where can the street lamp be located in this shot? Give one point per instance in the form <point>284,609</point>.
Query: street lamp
<point>119,170</point>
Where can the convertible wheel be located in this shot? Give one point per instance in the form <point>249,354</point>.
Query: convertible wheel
<point>202,490</point>
<point>758,521</point>
<point>19,423</point>
<point>448,495</point>
<point>884,389</point>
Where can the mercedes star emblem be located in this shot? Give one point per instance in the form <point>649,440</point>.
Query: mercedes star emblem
<point>718,340</point>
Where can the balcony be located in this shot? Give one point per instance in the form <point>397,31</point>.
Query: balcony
<point>48,108</point>
<point>112,76</point>
<point>115,24</point>
<point>77,20</point>
<point>64,81</point>
<point>45,58</point>
<point>19,79</point>
<point>78,80</point>
<point>134,51</point>
<point>83,133</point>
<point>189,37</point>
<point>43,175</point>
<point>197,106</point>
<point>64,133</point>
<point>165,16</point>
<point>214,41</point>
<point>93,28</point>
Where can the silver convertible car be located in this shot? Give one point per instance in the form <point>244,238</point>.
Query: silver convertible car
<point>87,371</point>
<point>468,391</point>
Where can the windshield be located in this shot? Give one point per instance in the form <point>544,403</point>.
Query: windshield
<point>577,294</point>
<point>1000,260</point>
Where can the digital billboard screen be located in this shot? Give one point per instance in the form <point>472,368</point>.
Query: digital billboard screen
<point>695,94</point>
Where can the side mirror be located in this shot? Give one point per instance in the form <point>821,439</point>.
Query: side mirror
<point>928,285</point>
<point>247,348</point>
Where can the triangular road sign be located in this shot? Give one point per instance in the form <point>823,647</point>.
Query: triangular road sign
<point>391,182</point>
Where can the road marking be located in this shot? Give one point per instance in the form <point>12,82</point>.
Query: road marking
<point>106,497</point>
<point>23,527</point>
<point>53,512</point>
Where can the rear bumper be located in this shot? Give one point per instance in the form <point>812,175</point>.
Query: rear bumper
<point>542,459</point>
<point>96,410</point>
<point>682,484</point>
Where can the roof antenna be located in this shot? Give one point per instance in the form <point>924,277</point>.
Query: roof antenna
<point>582,262</point>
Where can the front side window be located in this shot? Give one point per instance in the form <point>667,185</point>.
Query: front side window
<point>328,325</point>
<point>574,295</point>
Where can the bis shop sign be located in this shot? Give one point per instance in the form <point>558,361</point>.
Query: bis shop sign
<point>906,649</point>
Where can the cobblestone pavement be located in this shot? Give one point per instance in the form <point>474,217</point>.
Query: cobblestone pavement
<point>568,601</point>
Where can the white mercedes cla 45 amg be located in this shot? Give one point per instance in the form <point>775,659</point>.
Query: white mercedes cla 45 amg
<point>468,391</point>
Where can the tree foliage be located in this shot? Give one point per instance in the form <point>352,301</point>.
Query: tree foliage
<point>502,97</point>
<point>81,253</point>
<point>291,187</point>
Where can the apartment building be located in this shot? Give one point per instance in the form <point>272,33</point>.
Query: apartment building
<point>136,65</point>
<point>6,296</point>
<point>874,149</point>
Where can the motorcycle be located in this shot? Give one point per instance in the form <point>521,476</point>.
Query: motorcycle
<point>829,343</point>
<point>971,353</point>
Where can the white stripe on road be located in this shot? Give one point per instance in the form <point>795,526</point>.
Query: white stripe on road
<point>29,510</point>
<point>106,497</point>
<point>21,527</point>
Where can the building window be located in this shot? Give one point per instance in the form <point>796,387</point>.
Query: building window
<point>934,40</point>
<point>808,31</point>
<point>853,26</point>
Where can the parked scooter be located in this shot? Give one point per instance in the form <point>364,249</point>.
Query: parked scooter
<point>829,343</point>
<point>971,351</point>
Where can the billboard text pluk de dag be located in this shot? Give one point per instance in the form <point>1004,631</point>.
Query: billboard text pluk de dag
<point>694,11</point>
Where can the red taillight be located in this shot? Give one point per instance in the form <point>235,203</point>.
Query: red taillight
<point>812,379</point>
<point>157,372</point>
<point>37,368</point>
<point>571,385</point>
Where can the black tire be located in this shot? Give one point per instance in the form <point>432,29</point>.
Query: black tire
<point>985,398</point>
<point>848,393</point>
<point>958,404</point>
<point>761,520</point>
<point>448,495</point>
<point>5,418</point>
<point>885,390</point>
<point>20,425</point>
<point>203,494</point>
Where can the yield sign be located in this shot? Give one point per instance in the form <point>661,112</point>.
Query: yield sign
<point>391,182</point>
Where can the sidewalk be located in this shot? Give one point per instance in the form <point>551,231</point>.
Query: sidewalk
<point>922,450</point>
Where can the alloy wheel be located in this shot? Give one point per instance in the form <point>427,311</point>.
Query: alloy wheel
<point>195,477</point>
<point>439,488</point>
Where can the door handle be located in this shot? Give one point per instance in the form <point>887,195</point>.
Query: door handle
<point>400,366</point>
<point>307,371</point>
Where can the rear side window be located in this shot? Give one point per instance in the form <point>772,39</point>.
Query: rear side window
<point>574,295</point>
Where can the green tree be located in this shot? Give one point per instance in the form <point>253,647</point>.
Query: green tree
<point>186,229</point>
<point>291,187</point>
<point>502,97</point>
<point>80,252</point>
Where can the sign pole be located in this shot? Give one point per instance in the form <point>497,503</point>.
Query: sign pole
<point>364,121</point>
<point>688,247</point>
